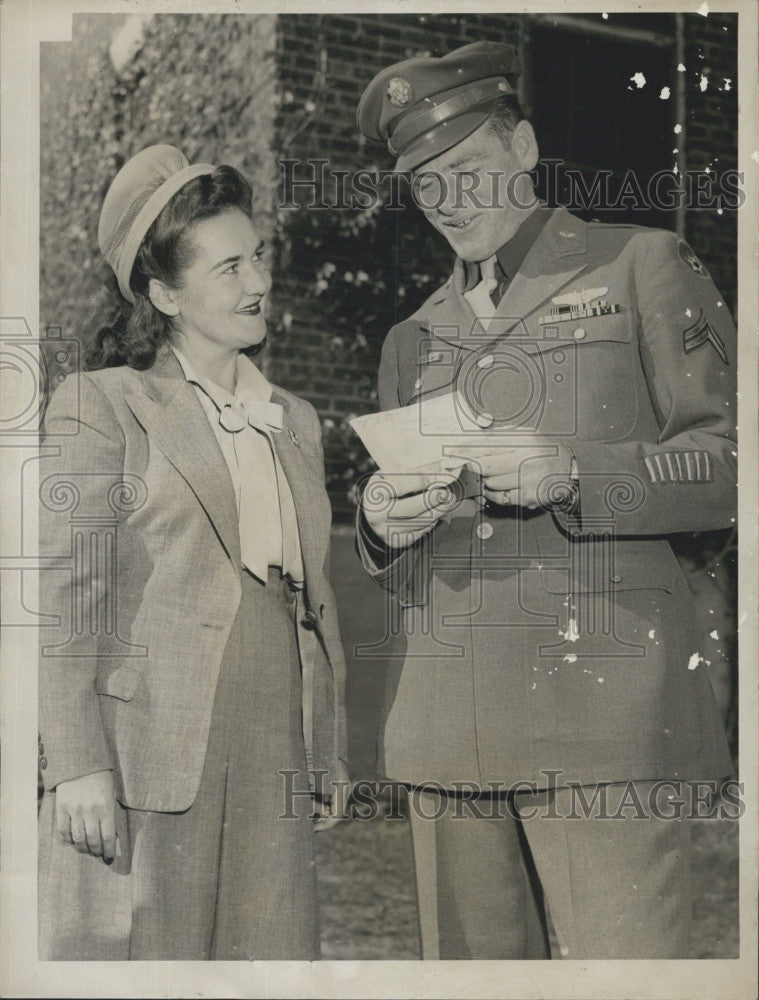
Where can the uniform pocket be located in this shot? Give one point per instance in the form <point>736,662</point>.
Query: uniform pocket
<point>599,567</point>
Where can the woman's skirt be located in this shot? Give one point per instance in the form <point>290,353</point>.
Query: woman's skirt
<point>233,876</point>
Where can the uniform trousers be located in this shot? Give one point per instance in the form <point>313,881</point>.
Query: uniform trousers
<point>486,870</point>
<point>228,878</point>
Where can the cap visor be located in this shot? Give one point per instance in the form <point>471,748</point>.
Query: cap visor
<point>442,138</point>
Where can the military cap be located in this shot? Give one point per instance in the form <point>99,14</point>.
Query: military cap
<point>421,107</point>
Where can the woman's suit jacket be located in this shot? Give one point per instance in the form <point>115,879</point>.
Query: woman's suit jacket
<point>141,582</point>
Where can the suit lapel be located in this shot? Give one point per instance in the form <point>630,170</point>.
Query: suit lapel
<point>313,527</point>
<point>167,407</point>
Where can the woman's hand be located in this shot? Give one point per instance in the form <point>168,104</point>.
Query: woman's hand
<point>403,506</point>
<point>334,809</point>
<point>85,814</point>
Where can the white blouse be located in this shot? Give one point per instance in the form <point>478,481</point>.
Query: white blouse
<point>243,424</point>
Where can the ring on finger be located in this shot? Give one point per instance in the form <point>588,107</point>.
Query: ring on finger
<point>506,496</point>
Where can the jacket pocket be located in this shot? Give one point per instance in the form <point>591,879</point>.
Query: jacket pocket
<point>590,568</point>
<point>121,683</point>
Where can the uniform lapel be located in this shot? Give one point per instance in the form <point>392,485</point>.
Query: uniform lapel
<point>556,258</point>
<point>167,407</point>
<point>313,525</point>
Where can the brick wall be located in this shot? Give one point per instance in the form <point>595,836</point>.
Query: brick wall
<point>324,64</point>
<point>711,46</point>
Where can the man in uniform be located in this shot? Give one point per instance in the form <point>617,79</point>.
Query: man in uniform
<point>546,685</point>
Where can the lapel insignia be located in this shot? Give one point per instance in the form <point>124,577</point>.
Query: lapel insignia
<point>701,332</point>
<point>293,437</point>
<point>579,305</point>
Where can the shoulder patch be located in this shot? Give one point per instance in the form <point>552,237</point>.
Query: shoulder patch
<point>688,257</point>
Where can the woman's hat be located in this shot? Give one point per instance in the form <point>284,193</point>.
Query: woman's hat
<point>140,190</point>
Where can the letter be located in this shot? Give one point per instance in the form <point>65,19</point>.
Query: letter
<point>630,798</point>
<point>290,183</point>
<point>654,805</point>
<point>339,179</point>
<point>665,200</point>
<point>364,183</point>
<point>698,799</point>
<point>598,794</point>
<point>630,194</point>
<point>550,793</point>
<point>732,184</point>
<point>730,787</point>
<point>468,794</point>
<point>431,789</point>
<point>364,795</point>
<point>460,179</point>
<point>702,185</point>
<point>511,191</point>
<point>394,204</point>
<point>425,182</point>
<point>551,185</point>
<point>516,811</point>
<point>291,794</point>
<point>581,197</point>
<point>395,787</point>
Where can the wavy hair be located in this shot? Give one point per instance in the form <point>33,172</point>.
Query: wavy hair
<point>168,249</point>
<point>504,117</point>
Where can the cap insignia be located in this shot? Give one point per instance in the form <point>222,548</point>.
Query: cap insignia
<point>398,92</point>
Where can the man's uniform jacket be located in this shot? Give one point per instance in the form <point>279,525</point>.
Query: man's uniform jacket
<point>141,583</point>
<point>524,642</point>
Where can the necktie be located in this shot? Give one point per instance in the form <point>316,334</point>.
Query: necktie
<point>268,526</point>
<point>479,297</point>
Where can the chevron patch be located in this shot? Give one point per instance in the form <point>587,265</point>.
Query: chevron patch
<point>700,333</point>
<point>679,467</point>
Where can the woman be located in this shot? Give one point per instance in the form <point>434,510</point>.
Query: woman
<point>194,676</point>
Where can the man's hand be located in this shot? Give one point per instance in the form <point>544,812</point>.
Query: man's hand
<point>401,507</point>
<point>85,814</point>
<point>534,473</point>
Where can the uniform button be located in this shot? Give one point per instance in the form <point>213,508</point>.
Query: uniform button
<point>484,530</point>
<point>309,620</point>
<point>616,578</point>
<point>484,419</point>
<point>41,748</point>
<point>418,384</point>
<point>486,361</point>
<point>579,333</point>
<point>43,763</point>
